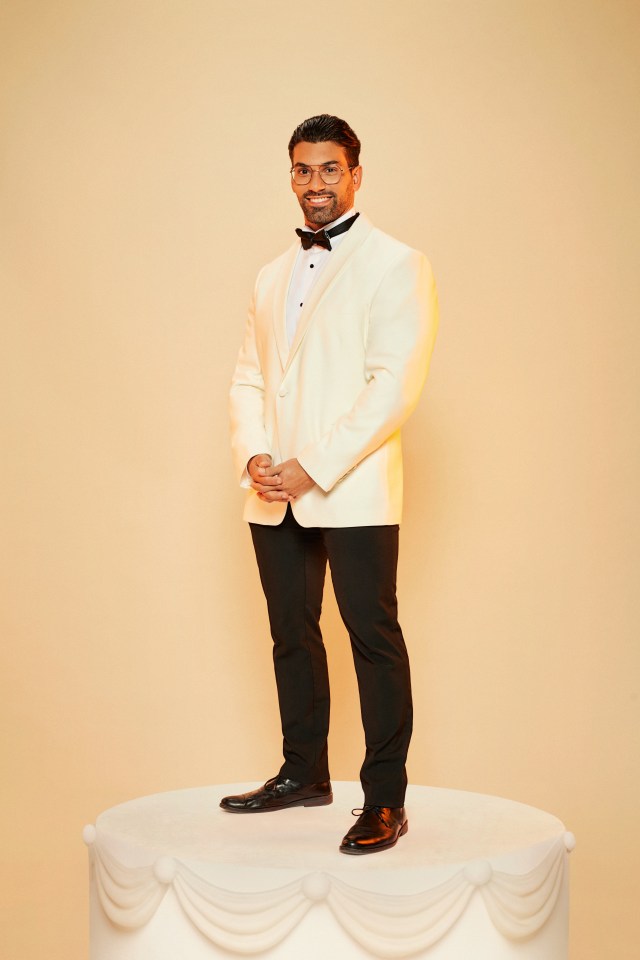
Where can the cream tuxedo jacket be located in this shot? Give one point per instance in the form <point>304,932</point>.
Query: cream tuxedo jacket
<point>336,398</point>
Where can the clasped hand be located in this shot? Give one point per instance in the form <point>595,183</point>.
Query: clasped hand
<point>273,484</point>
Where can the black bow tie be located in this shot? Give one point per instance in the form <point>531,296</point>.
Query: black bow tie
<point>323,237</point>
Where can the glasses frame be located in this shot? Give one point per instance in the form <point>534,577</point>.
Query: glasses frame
<point>317,167</point>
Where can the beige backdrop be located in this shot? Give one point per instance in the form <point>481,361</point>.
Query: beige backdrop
<point>143,182</point>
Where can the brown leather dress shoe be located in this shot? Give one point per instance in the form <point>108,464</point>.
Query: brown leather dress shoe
<point>377,828</point>
<point>278,794</point>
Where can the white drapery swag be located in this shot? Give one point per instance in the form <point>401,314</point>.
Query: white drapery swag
<point>387,925</point>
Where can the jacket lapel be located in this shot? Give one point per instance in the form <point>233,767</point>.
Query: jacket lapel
<point>338,259</point>
<point>280,303</point>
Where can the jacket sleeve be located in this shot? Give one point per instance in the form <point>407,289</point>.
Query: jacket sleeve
<point>403,322</point>
<point>246,400</point>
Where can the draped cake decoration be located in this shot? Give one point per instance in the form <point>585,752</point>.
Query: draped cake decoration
<point>386,925</point>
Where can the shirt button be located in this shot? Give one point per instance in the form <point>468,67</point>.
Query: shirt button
<point>310,266</point>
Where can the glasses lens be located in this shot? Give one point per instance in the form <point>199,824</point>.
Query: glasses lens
<point>329,174</point>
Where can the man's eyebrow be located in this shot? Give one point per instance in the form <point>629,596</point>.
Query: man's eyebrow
<point>327,163</point>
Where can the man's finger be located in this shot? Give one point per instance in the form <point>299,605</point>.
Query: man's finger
<point>269,493</point>
<point>271,471</point>
<point>267,481</point>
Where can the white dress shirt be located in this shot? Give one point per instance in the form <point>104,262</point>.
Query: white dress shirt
<point>307,269</point>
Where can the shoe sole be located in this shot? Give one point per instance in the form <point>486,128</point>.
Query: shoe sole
<point>359,851</point>
<point>308,802</point>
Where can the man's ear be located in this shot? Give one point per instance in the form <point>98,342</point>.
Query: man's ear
<point>357,177</point>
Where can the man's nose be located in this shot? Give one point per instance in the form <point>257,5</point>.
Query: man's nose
<point>320,181</point>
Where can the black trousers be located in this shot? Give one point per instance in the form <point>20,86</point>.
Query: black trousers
<point>292,562</point>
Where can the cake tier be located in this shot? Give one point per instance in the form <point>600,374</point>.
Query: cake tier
<point>174,876</point>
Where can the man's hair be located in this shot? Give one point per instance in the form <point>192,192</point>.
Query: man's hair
<point>325,127</point>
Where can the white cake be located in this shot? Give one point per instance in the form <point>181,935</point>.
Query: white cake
<point>174,877</point>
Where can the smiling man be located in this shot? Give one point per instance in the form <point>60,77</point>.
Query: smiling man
<point>335,355</point>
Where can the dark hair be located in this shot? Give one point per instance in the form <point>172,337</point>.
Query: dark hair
<point>325,127</point>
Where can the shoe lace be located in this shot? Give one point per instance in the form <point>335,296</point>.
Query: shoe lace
<point>358,811</point>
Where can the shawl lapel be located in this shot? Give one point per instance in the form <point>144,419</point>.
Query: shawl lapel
<point>280,303</point>
<point>337,261</point>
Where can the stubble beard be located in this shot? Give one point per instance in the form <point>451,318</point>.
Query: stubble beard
<point>319,216</point>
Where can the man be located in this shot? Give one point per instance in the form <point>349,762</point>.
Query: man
<point>336,351</point>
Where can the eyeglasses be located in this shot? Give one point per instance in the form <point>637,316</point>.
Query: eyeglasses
<point>329,173</point>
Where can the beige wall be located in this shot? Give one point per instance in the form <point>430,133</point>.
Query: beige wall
<point>143,182</point>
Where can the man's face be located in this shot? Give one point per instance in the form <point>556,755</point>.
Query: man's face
<point>323,202</point>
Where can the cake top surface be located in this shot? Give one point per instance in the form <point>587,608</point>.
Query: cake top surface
<point>447,830</point>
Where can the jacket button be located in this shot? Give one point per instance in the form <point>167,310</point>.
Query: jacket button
<point>282,392</point>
